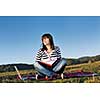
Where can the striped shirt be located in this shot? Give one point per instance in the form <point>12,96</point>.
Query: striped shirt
<point>50,58</point>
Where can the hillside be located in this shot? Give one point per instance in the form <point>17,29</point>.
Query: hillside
<point>85,64</point>
<point>10,67</point>
<point>86,59</point>
<point>7,77</point>
<point>70,61</point>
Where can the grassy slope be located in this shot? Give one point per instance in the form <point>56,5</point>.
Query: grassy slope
<point>93,67</point>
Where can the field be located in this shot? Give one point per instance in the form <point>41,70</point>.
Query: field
<point>11,77</point>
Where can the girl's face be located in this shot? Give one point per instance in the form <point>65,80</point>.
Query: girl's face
<point>46,41</point>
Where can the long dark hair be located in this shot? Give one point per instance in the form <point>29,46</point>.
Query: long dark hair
<point>50,39</point>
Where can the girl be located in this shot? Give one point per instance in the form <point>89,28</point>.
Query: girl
<point>48,59</point>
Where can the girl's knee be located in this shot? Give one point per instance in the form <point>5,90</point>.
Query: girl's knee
<point>36,64</point>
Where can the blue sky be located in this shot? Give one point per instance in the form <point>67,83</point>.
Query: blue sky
<point>20,37</point>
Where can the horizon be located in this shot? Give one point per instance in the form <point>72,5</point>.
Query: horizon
<point>20,36</point>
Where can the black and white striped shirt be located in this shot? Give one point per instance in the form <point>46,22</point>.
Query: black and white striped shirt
<point>50,58</point>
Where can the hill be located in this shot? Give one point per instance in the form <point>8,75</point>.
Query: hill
<point>10,67</point>
<point>86,64</point>
<point>70,61</point>
<point>11,77</point>
<point>86,59</point>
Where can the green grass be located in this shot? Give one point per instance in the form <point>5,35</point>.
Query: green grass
<point>7,77</point>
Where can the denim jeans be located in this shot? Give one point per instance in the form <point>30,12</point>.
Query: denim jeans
<point>56,68</point>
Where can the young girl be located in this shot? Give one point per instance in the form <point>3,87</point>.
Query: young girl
<point>48,59</point>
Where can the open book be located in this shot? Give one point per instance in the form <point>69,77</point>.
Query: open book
<point>48,62</point>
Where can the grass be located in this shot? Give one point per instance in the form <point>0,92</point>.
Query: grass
<point>15,73</point>
<point>10,77</point>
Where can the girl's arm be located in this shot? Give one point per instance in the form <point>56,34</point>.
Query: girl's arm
<point>38,55</point>
<point>58,52</point>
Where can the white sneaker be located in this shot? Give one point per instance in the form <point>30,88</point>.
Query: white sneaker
<point>62,76</point>
<point>36,76</point>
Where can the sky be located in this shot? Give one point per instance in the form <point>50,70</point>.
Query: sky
<point>20,36</point>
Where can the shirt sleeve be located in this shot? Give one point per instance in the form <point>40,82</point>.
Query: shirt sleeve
<point>38,55</point>
<point>58,52</point>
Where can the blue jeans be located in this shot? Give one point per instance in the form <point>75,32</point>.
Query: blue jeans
<point>56,68</point>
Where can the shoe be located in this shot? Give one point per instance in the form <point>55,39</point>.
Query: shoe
<point>36,76</point>
<point>62,76</point>
<point>46,78</point>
